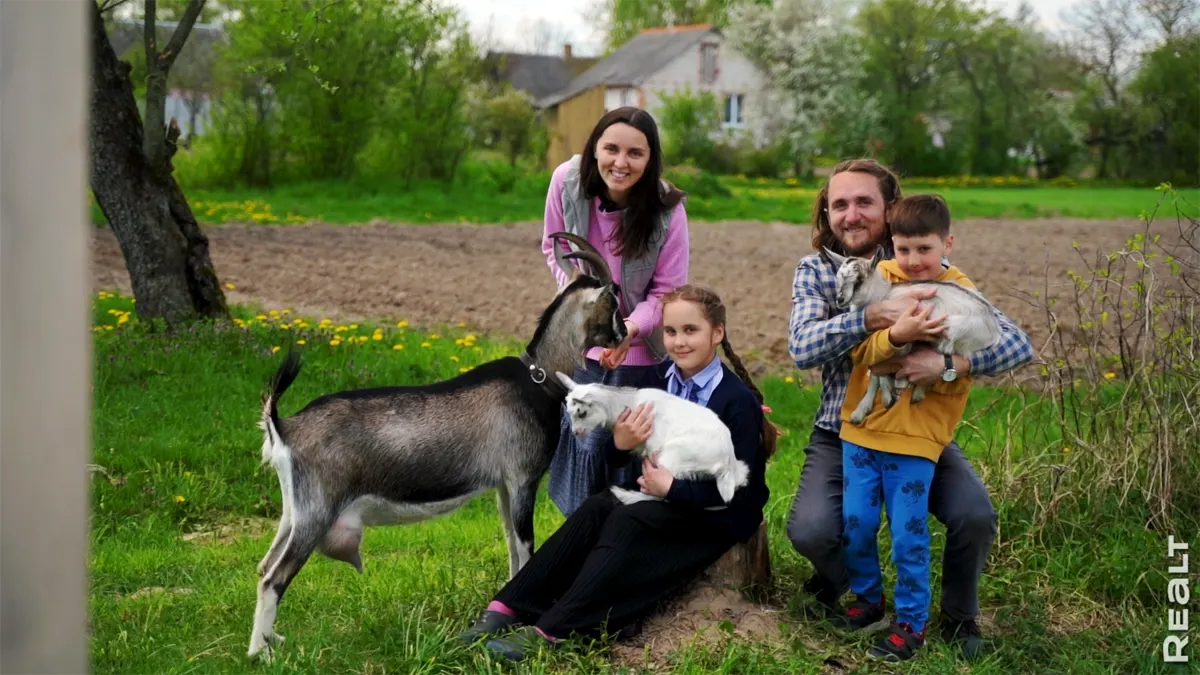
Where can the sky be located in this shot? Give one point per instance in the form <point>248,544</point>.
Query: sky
<point>514,24</point>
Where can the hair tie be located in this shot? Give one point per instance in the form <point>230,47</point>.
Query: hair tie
<point>766,409</point>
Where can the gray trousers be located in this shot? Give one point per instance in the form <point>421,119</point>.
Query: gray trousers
<point>958,499</point>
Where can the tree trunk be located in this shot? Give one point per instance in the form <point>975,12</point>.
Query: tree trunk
<point>744,567</point>
<point>165,252</point>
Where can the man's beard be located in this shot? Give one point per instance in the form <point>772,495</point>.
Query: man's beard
<point>865,249</point>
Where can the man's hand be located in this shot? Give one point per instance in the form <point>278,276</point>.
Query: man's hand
<point>925,366</point>
<point>633,427</point>
<point>613,358</point>
<point>655,480</point>
<point>885,313</point>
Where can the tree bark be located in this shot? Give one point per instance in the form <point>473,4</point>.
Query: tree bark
<point>165,252</point>
<point>745,567</point>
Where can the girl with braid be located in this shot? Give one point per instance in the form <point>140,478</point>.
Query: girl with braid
<point>609,564</point>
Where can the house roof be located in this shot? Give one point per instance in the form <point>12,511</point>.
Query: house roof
<point>537,74</point>
<point>634,61</point>
<point>195,61</point>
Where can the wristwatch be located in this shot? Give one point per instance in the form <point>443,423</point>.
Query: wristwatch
<point>950,373</point>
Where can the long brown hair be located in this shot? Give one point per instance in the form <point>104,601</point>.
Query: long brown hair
<point>714,310</point>
<point>889,187</point>
<point>647,199</point>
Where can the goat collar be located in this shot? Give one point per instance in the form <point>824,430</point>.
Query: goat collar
<point>548,382</point>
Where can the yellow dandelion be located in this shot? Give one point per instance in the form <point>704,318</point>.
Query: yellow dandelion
<point>325,322</point>
<point>179,499</point>
<point>402,324</point>
<point>340,329</point>
<point>335,342</point>
<point>454,359</point>
<point>362,339</point>
<point>789,379</point>
<point>426,344</point>
<point>377,336</point>
<point>470,337</point>
<point>463,370</point>
<point>230,286</point>
<point>353,326</point>
<point>275,349</point>
<point>124,318</point>
<point>274,313</point>
<point>435,336</point>
<point>397,347</point>
<point>301,342</point>
<point>462,324</point>
<point>261,317</point>
<point>1110,376</point>
<point>109,327</point>
<point>460,342</point>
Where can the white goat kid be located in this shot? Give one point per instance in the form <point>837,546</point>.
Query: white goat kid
<point>971,323</point>
<point>687,439</point>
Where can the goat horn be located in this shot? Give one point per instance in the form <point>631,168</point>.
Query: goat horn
<point>587,252</point>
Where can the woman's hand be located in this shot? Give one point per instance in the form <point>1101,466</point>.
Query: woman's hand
<point>655,480</point>
<point>633,427</point>
<point>612,358</point>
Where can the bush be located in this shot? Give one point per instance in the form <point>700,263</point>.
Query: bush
<point>697,182</point>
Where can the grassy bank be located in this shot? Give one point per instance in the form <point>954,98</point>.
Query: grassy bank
<point>182,512</point>
<point>731,198</point>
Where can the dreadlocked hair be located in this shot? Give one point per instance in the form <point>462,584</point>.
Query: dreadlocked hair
<point>714,310</point>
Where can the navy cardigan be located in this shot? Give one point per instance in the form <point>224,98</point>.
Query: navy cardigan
<point>737,407</point>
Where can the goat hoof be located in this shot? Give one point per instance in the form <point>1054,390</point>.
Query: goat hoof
<point>857,418</point>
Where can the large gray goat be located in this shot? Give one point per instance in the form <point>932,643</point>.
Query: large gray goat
<point>396,455</point>
<point>971,322</point>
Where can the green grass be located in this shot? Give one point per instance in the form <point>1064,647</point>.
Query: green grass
<point>177,453</point>
<point>524,200</point>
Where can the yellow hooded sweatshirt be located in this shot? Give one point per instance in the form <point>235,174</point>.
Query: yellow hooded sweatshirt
<point>923,429</point>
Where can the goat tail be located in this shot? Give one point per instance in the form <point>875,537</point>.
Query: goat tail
<point>730,478</point>
<point>269,423</point>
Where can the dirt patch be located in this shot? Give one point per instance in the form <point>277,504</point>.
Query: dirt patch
<point>703,615</point>
<point>494,278</point>
<point>231,532</point>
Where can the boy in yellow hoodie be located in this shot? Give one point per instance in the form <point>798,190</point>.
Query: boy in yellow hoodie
<point>889,459</point>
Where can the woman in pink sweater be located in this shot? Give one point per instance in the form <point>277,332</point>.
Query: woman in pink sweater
<point>613,195</point>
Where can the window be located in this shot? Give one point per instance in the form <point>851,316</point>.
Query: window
<point>735,110</point>
<point>708,63</point>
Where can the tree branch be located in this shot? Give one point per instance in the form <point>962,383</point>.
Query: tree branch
<point>148,32</point>
<point>181,31</point>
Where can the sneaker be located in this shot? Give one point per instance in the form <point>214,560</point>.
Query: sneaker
<point>523,642</point>
<point>863,615</point>
<point>901,645</point>
<point>825,597</point>
<point>965,634</point>
<point>490,622</point>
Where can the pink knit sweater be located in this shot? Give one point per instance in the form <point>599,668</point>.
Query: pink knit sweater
<point>671,272</point>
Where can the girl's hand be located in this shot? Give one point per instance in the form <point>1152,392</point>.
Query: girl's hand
<point>612,358</point>
<point>916,326</point>
<point>633,427</point>
<point>655,480</point>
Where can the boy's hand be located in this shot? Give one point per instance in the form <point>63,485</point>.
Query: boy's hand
<point>916,326</point>
<point>633,427</point>
<point>655,480</point>
<point>885,313</point>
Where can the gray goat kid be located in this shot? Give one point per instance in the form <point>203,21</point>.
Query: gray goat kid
<point>971,322</point>
<point>395,455</point>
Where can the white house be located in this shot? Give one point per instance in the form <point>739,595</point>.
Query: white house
<point>657,61</point>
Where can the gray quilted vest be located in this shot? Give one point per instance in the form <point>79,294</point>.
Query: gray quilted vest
<point>635,273</point>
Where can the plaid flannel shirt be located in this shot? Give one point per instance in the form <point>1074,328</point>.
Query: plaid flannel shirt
<point>821,335</point>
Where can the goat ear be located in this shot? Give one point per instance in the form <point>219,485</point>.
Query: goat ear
<point>879,253</point>
<point>566,381</point>
<point>837,259</point>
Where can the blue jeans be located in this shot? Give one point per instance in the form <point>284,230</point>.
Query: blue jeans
<point>901,483</point>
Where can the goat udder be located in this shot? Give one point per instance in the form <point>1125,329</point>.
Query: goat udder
<point>341,542</point>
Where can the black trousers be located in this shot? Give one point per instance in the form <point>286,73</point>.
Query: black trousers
<point>609,564</point>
